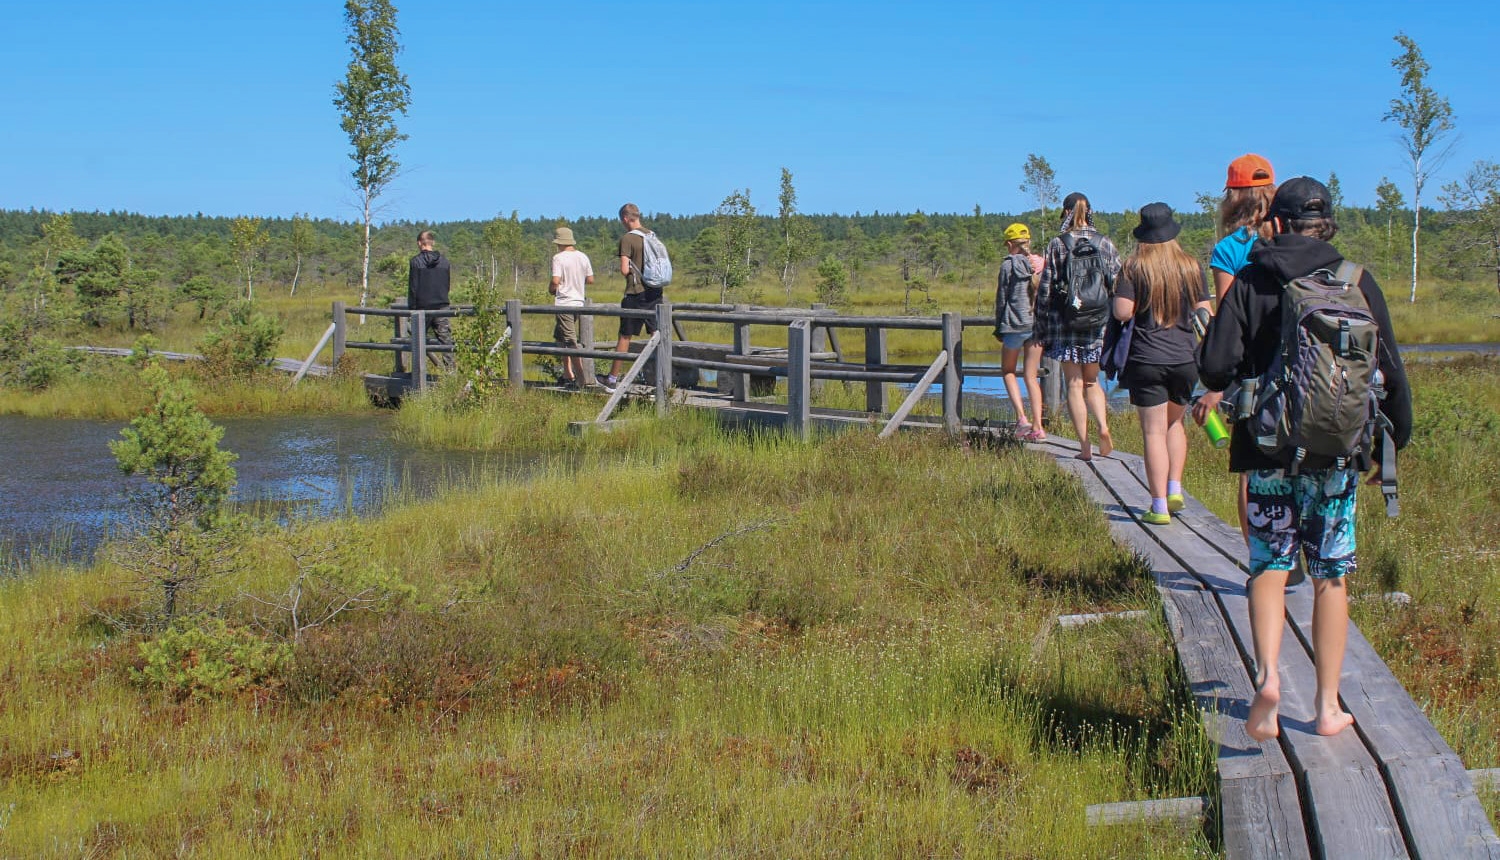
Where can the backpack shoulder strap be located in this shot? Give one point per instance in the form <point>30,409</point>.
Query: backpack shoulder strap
<point>641,233</point>
<point>1349,273</point>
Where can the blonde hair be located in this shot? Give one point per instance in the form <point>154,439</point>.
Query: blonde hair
<point>1166,279</point>
<point>1247,207</point>
<point>1018,246</point>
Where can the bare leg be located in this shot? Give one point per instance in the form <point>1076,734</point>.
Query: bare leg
<point>1330,629</point>
<point>1033,359</point>
<point>1077,408</point>
<point>1154,434</point>
<point>1267,622</point>
<point>1098,408</point>
<point>1008,359</point>
<point>1176,442</point>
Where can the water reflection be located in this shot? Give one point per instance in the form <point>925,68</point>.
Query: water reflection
<point>64,494</point>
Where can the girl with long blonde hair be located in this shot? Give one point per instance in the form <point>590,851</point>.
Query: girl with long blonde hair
<point>1160,287</point>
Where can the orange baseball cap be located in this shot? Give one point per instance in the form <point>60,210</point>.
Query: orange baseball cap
<point>1249,171</point>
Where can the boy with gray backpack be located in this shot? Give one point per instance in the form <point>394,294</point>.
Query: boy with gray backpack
<point>1324,398</point>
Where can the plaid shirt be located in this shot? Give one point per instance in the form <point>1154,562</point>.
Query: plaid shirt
<point>1049,327</point>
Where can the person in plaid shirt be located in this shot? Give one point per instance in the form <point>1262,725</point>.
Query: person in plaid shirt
<point>1078,351</point>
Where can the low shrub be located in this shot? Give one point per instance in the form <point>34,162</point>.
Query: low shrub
<point>242,345</point>
<point>209,659</point>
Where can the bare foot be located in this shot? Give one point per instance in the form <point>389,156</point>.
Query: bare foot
<point>1330,724</point>
<point>1106,443</point>
<point>1261,725</point>
<point>1084,456</point>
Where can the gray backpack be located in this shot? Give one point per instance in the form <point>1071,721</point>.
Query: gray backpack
<point>1321,394</point>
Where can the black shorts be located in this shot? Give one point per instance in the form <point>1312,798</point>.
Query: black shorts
<point>646,300</point>
<point>1155,384</point>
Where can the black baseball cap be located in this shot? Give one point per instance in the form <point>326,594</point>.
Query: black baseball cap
<point>1300,198</point>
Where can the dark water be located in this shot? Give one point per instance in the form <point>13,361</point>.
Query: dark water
<point>61,493</point>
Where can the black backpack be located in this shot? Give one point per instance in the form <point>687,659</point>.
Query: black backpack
<point>1087,283</point>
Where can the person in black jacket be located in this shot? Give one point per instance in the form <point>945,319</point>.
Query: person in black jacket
<point>1313,509</point>
<point>427,278</point>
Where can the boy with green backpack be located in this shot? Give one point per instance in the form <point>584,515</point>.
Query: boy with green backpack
<point>1325,398</point>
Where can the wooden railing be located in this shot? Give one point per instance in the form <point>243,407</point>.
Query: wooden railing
<point>813,354</point>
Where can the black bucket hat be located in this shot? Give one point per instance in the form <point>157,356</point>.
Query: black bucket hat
<point>1157,224</point>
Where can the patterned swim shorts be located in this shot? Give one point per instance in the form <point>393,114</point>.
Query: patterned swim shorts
<point>1313,510</point>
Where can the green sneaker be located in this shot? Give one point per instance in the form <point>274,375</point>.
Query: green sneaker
<point>1155,519</point>
<point>1175,502</point>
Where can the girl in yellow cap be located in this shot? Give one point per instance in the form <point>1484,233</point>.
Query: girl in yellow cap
<point>1015,296</point>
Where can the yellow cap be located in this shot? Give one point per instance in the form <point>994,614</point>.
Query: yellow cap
<point>1016,232</point>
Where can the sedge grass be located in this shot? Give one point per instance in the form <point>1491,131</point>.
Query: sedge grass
<point>741,647</point>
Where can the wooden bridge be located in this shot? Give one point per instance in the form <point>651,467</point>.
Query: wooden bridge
<point>1390,787</point>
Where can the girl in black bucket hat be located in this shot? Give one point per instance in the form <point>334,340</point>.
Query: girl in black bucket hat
<point>1160,288</point>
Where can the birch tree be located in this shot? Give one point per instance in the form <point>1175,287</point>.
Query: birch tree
<point>1039,183</point>
<point>372,93</point>
<point>1425,119</point>
<point>301,240</point>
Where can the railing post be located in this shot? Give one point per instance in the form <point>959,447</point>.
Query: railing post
<point>798,379</point>
<point>419,349</point>
<point>401,327</point>
<point>953,337</point>
<point>663,357</point>
<point>741,386</point>
<point>817,341</point>
<point>875,395</point>
<point>340,332</point>
<point>586,340</point>
<point>832,334</point>
<point>1053,387</point>
<point>516,367</point>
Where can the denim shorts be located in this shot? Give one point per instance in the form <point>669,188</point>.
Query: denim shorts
<point>1015,340</point>
<point>1312,511</point>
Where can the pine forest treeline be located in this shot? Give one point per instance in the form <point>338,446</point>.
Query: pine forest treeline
<point>226,256</point>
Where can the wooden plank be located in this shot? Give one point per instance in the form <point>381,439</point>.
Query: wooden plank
<point>1179,809</point>
<point>1262,817</point>
<point>1440,809</point>
<point>1347,819</point>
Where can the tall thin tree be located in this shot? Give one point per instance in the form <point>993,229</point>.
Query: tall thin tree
<point>372,93</point>
<point>301,240</point>
<point>1039,183</point>
<point>1425,119</point>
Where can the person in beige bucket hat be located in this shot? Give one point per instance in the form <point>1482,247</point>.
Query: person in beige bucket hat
<point>571,271</point>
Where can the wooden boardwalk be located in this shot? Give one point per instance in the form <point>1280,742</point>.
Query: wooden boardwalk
<point>1389,788</point>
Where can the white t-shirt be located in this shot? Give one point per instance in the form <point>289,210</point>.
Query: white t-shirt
<point>571,268</point>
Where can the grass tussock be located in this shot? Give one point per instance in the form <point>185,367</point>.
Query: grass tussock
<point>741,647</point>
<point>109,389</point>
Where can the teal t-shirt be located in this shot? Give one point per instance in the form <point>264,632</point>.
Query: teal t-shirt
<point>1233,251</point>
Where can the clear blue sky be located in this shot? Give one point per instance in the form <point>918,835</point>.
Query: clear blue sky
<point>175,107</point>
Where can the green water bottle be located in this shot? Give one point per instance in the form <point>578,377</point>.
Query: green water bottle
<point>1217,430</point>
